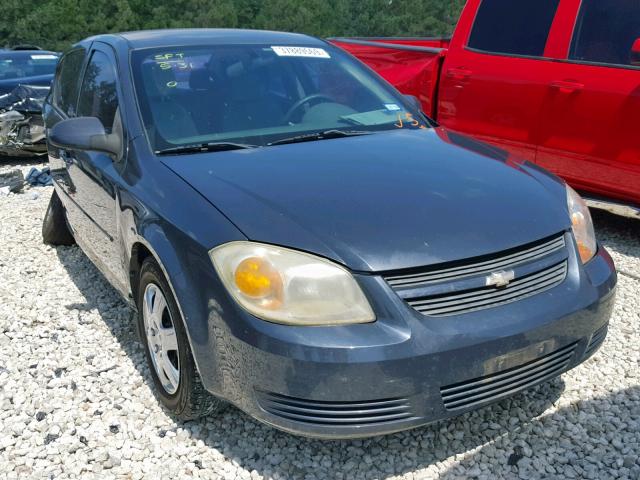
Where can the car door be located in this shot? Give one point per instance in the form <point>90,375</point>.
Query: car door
<point>95,175</point>
<point>495,78</point>
<point>59,105</point>
<point>589,129</point>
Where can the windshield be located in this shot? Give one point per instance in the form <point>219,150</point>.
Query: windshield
<point>19,65</point>
<point>258,95</point>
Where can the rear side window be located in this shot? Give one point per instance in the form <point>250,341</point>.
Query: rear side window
<point>606,31</point>
<point>98,97</point>
<point>513,27</point>
<point>68,81</point>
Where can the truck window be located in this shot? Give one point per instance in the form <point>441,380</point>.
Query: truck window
<point>513,27</point>
<point>606,31</point>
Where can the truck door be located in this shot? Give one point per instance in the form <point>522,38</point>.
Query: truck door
<point>589,129</point>
<point>495,75</point>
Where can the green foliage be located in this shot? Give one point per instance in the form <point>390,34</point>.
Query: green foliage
<point>56,24</point>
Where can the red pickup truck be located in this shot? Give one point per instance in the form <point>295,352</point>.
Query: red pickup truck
<point>556,82</point>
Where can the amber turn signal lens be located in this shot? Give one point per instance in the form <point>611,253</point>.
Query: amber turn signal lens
<point>582,226</point>
<point>586,253</point>
<point>256,278</point>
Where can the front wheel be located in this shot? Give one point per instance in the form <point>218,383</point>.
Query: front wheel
<point>177,383</point>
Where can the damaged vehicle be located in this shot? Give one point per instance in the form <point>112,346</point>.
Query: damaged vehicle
<point>25,78</point>
<point>299,240</point>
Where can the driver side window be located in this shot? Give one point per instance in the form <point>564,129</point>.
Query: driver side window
<point>98,94</point>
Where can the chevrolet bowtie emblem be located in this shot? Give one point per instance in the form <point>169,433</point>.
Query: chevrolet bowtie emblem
<point>500,279</point>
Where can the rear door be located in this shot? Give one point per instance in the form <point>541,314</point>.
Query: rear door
<point>589,129</point>
<point>495,75</point>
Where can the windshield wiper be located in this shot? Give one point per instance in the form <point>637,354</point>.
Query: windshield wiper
<point>204,147</point>
<point>326,135</point>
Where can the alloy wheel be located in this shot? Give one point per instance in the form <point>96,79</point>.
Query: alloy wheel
<point>161,336</point>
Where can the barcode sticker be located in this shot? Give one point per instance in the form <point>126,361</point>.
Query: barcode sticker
<point>301,52</point>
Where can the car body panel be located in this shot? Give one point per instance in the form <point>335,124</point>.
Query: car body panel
<point>368,216</point>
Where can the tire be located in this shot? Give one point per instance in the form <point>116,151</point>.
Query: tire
<point>187,399</point>
<point>55,230</point>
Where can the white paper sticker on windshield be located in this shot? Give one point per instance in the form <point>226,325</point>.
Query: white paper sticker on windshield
<point>44,57</point>
<point>301,52</point>
<point>392,106</point>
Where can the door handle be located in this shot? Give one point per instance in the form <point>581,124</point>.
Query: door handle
<point>459,73</point>
<point>567,86</point>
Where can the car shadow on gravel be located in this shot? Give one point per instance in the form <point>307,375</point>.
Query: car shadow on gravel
<point>275,454</point>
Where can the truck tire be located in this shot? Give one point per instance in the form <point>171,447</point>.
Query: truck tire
<point>167,349</point>
<point>55,230</point>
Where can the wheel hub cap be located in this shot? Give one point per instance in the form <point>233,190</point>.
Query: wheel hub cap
<point>161,338</point>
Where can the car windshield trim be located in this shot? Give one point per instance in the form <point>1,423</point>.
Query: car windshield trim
<point>204,147</point>
<point>324,135</point>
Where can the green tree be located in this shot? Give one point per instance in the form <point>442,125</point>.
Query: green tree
<point>56,24</point>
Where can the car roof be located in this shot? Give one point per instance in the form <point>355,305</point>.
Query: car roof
<point>206,36</point>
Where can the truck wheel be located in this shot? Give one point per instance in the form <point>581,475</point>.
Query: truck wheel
<point>55,230</point>
<point>162,332</point>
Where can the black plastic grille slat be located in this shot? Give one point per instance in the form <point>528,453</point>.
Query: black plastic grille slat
<point>486,389</point>
<point>491,292</point>
<point>597,339</point>
<point>342,421</point>
<point>487,266</point>
<point>487,297</point>
<point>336,413</point>
<point>509,373</point>
<point>468,292</point>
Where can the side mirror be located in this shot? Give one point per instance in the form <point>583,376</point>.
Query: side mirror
<point>85,133</point>
<point>413,100</point>
<point>635,53</point>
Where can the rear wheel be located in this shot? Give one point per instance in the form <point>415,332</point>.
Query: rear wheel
<point>177,383</point>
<point>55,230</point>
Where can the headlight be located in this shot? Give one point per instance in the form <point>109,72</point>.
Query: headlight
<point>582,225</point>
<point>285,286</point>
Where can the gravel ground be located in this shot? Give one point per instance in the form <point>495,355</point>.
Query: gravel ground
<point>76,401</point>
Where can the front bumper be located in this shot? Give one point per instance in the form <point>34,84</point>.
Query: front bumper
<point>406,369</point>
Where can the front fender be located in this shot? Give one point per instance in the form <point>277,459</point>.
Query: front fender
<point>167,217</point>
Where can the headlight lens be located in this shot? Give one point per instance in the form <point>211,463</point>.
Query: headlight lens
<point>582,225</point>
<point>289,287</point>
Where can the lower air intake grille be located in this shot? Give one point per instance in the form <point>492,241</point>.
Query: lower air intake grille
<point>493,387</point>
<point>336,413</point>
<point>597,339</point>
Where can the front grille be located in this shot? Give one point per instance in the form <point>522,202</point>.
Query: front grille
<point>508,382</point>
<point>463,288</point>
<point>486,297</point>
<point>493,265</point>
<point>336,413</point>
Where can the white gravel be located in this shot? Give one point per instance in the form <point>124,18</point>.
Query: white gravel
<point>75,397</point>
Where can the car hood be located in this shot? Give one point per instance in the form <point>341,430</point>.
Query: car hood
<point>383,202</point>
